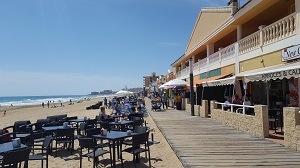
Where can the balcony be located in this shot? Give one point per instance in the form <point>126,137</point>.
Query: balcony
<point>266,36</point>
<point>275,32</point>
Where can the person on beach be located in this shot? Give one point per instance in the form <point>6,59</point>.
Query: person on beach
<point>4,113</point>
<point>105,102</point>
<point>103,116</point>
<point>43,104</point>
<point>48,104</point>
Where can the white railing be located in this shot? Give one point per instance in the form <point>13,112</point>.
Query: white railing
<point>185,71</point>
<point>196,66</point>
<point>249,43</point>
<point>178,74</point>
<point>215,57</point>
<point>203,62</point>
<point>228,52</point>
<point>283,28</point>
<point>279,30</point>
<point>243,107</point>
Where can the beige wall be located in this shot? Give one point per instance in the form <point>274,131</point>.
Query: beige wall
<point>228,69</point>
<point>291,121</point>
<point>207,22</point>
<point>255,63</point>
<point>257,125</point>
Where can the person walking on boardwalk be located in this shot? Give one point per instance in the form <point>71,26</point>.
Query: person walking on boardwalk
<point>165,100</point>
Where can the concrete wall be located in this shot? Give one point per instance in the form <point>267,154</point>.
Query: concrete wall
<point>188,107</point>
<point>204,109</point>
<point>291,121</point>
<point>257,125</point>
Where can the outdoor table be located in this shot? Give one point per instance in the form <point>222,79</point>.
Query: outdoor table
<point>8,146</point>
<point>23,136</point>
<point>77,121</point>
<point>53,128</point>
<point>114,136</point>
<point>121,124</point>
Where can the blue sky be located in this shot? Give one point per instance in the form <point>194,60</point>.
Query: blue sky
<point>57,47</point>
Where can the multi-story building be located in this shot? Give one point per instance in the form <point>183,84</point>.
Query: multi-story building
<point>255,47</point>
<point>231,41</point>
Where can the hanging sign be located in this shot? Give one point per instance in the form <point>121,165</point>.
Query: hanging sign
<point>290,53</point>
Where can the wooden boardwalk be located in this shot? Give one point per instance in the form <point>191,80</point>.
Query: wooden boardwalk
<point>201,142</point>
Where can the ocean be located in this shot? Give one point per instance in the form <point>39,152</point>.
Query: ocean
<point>35,100</point>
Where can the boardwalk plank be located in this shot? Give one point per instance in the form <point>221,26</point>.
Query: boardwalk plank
<point>201,142</point>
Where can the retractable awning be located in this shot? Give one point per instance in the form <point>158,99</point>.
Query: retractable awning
<point>202,81</point>
<point>274,72</point>
<point>220,82</point>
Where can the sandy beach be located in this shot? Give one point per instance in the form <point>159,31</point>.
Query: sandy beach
<point>162,156</point>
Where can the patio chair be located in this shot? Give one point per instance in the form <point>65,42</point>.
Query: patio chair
<point>81,131</point>
<point>15,158</point>
<point>139,130</point>
<point>95,131</point>
<point>65,137</point>
<point>105,125</point>
<point>45,149</point>
<point>90,143</point>
<point>91,123</point>
<point>136,149</point>
<point>20,130</point>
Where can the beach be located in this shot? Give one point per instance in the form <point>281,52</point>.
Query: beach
<point>162,156</point>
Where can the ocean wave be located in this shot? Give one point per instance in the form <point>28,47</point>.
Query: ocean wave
<point>36,100</point>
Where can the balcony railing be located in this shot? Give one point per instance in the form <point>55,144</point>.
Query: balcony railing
<point>213,58</point>
<point>249,43</point>
<point>203,62</point>
<point>279,30</point>
<point>275,32</point>
<point>283,28</point>
<point>196,66</point>
<point>228,52</point>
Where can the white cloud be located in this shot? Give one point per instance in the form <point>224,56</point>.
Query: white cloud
<point>16,83</point>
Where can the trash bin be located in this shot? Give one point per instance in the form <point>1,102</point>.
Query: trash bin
<point>178,106</point>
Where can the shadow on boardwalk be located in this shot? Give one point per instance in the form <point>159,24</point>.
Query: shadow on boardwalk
<point>201,142</point>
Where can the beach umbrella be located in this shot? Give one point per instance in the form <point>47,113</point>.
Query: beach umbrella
<point>176,82</point>
<point>166,87</point>
<point>123,93</point>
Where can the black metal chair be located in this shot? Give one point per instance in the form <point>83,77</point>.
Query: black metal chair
<point>104,125</point>
<point>90,143</point>
<point>95,131</point>
<point>64,136</point>
<point>91,123</point>
<point>15,158</point>
<point>139,130</point>
<point>45,149</point>
<point>136,148</point>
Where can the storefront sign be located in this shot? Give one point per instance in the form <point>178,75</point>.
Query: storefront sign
<point>291,53</point>
<point>281,74</point>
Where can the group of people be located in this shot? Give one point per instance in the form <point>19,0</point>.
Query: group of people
<point>133,110</point>
<point>237,100</point>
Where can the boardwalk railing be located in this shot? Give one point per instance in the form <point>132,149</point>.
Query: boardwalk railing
<point>257,124</point>
<point>243,107</point>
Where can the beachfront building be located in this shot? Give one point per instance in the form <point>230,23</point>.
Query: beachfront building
<point>253,52</point>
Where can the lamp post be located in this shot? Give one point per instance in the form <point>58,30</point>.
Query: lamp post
<point>192,87</point>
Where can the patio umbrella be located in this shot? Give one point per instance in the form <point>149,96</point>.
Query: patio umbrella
<point>164,86</point>
<point>176,82</point>
<point>123,93</point>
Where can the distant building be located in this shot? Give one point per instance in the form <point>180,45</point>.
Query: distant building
<point>150,83</point>
<point>94,93</point>
<point>106,92</point>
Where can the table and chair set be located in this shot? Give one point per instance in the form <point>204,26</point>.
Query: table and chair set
<point>58,132</point>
